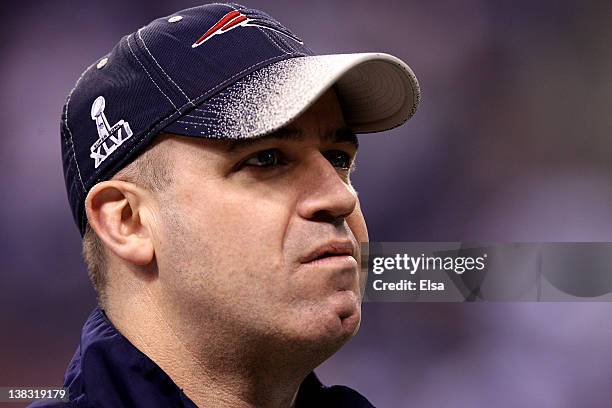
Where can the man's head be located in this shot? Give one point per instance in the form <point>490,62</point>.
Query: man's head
<point>261,235</point>
<point>207,161</point>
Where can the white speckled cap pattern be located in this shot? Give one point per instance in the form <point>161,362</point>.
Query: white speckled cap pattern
<point>377,92</point>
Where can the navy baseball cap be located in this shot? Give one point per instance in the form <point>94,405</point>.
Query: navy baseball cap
<point>219,71</point>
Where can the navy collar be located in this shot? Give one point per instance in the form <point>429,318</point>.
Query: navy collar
<point>109,371</point>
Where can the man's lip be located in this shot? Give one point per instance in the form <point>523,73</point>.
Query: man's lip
<point>331,248</point>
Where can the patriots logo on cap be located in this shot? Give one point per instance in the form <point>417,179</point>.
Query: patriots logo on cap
<point>235,19</point>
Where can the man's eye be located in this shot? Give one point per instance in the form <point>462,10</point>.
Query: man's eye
<point>338,158</point>
<point>265,158</point>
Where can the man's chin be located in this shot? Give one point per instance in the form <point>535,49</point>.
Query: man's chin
<point>333,323</point>
<point>351,324</point>
<point>311,335</point>
<point>345,306</point>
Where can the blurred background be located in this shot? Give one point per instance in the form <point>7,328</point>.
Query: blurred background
<point>512,142</point>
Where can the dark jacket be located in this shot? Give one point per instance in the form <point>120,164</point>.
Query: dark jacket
<point>108,371</point>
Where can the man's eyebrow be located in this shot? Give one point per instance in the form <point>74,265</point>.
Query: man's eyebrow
<point>343,135</point>
<point>340,135</point>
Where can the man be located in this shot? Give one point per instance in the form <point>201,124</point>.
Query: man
<point>207,160</point>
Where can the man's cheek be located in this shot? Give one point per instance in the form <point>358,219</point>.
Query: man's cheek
<point>357,224</point>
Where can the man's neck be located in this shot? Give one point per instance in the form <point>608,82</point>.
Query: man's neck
<point>211,370</point>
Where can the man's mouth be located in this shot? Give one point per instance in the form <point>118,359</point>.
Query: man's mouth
<point>331,252</point>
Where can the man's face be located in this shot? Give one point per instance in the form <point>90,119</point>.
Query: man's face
<point>247,229</point>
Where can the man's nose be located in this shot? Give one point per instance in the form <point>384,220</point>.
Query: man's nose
<point>325,195</point>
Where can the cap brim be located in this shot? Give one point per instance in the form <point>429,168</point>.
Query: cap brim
<point>377,92</point>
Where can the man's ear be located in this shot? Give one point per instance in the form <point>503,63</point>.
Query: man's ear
<point>116,212</point>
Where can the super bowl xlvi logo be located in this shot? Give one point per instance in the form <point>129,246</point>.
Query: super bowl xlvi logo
<point>110,137</point>
<point>235,19</point>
